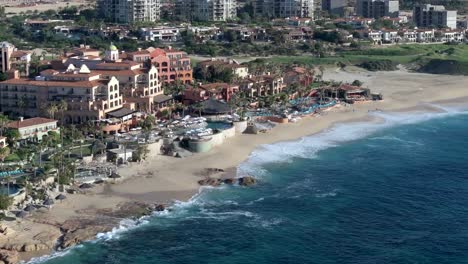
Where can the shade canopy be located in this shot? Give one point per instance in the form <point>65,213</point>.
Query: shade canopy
<point>215,107</point>
<point>60,197</point>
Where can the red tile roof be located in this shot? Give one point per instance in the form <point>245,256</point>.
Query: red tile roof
<point>74,84</point>
<point>30,122</point>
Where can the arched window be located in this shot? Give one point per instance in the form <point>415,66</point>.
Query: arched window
<point>111,96</point>
<point>156,64</point>
<point>112,104</point>
<point>105,106</point>
<point>164,64</point>
<point>187,75</point>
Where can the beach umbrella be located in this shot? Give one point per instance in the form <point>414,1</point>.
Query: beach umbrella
<point>22,214</point>
<point>115,176</point>
<point>60,197</point>
<point>48,202</point>
<point>86,186</point>
<point>30,208</point>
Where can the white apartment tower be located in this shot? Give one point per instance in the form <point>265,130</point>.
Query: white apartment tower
<point>434,16</point>
<point>377,8</point>
<point>284,8</point>
<point>130,11</point>
<point>207,10</point>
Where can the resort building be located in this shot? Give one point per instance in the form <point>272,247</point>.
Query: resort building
<point>164,34</point>
<point>299,75</point>
<point>263,85</point>
<point>34,128</point>
<point>137,85</point>
<point>218,91</point>
<point>377,8</point>
<point>434,16</point>
<point>130,11</point>
<point>237,69</point>
<point>206,10</point>
<point>172,65</point>
<point>87,95</point>
<point>284,8</point>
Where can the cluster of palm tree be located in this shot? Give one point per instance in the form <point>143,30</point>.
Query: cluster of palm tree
<point>51,109</point>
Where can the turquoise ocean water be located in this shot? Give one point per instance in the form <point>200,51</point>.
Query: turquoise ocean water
<point>394,192</point>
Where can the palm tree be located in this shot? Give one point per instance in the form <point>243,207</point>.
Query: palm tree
<point>51,109</point>
<point>62,107</point>
<point>198,107</point>
<point>4,152</point>
<point>3,123</point>
<point>23,104</point>
<point>321,69</point>
<point>8,180</point>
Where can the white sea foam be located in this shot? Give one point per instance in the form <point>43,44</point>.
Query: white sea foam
<point>309,146</point>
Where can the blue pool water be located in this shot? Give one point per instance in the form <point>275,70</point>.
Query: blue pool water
<point>395,192</point>
<point>13,189</point>
<point>219,125</point>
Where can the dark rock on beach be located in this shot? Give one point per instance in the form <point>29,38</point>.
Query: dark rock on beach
<point>229,181</point>
<point>9,256</point>
<point>210,182</point>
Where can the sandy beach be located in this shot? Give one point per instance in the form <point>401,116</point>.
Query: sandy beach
<point>162,179</point>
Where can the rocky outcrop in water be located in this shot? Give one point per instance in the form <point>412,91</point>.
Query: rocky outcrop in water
<point>230,181</point>
<point>78,230</point>
<point>159,208</point>
<point>247,181</point>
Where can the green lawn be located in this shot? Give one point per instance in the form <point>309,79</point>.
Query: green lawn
<point>403,54</point>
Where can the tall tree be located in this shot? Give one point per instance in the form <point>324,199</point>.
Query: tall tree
<point>3,123</point>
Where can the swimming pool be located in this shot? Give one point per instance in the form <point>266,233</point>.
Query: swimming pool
<point>220,125</point>
<point>14,188</point>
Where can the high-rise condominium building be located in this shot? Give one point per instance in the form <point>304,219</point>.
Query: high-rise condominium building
<point>335,7</point>
<point>206,10</point>
<point>377,8</point>
<point>129,11</point>
<point>284,8</point>
<point>434,16</point>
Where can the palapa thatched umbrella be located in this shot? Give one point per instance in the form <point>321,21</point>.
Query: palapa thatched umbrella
<point>115,176</point>
<point>22,214</point>
<point>60,197</point>
<point>48,202</point>
<point>86,186</point>
<point>30,208</point>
